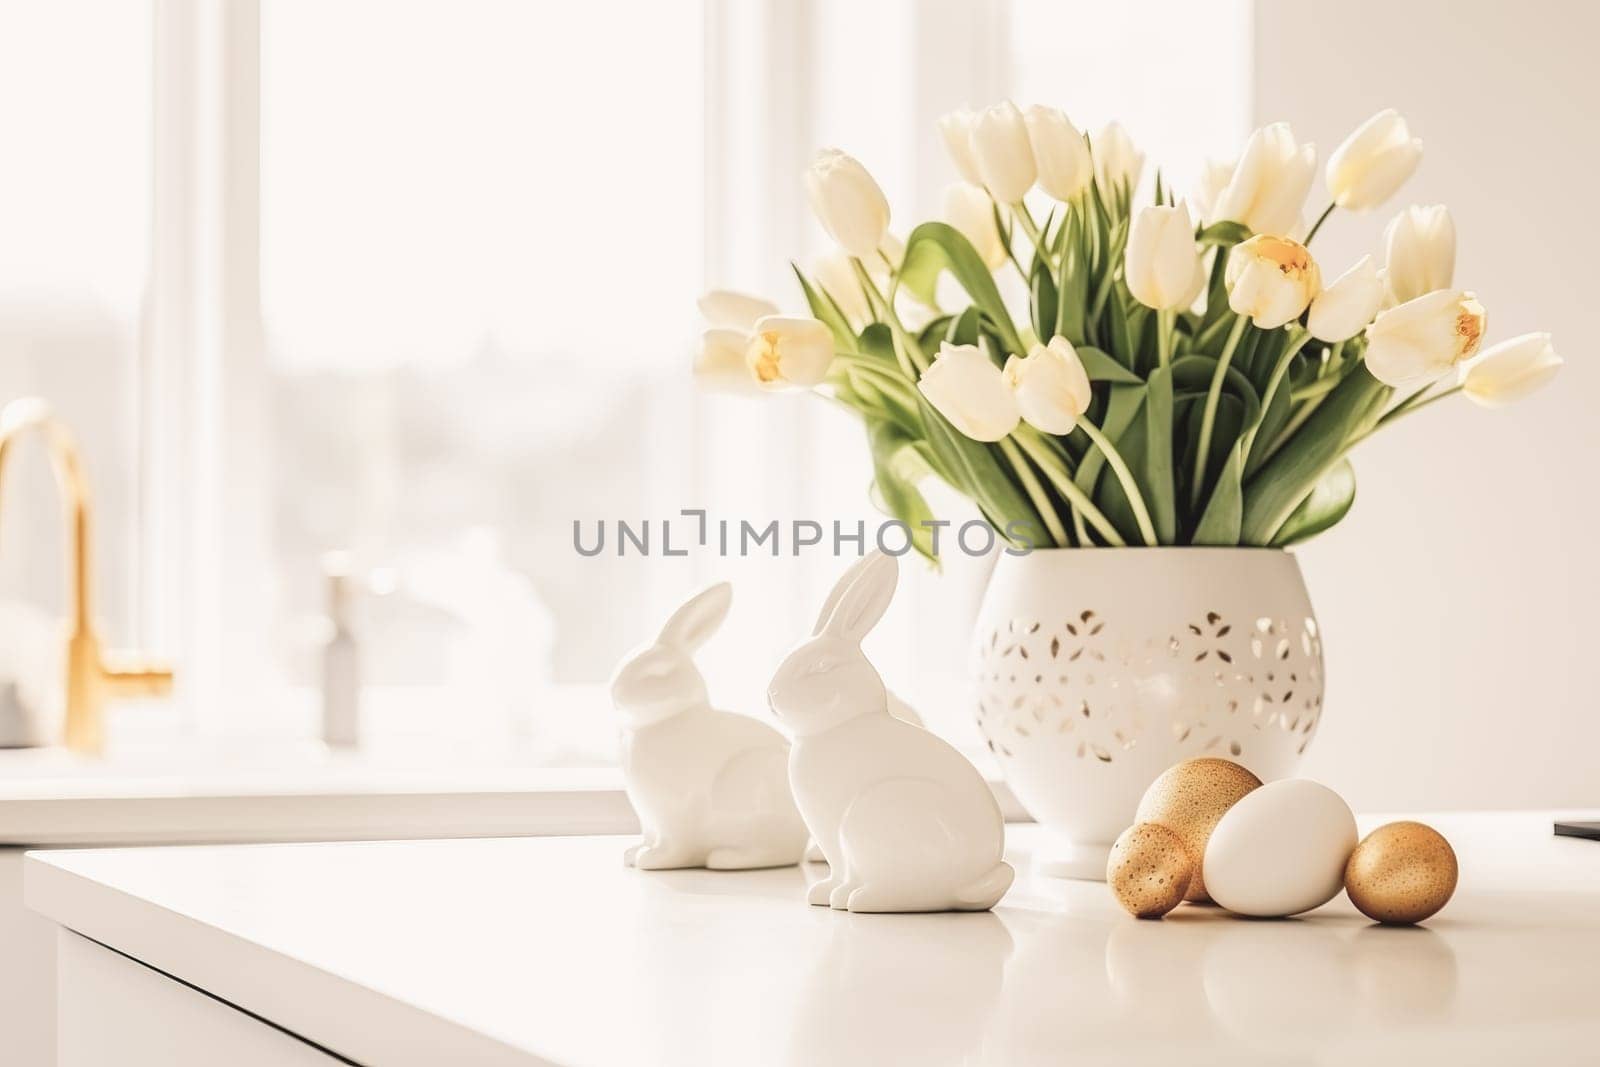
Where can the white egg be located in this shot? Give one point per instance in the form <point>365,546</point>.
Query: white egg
<point>1280,850</point>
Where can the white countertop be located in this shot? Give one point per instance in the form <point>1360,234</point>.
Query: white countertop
<point>550,951</point>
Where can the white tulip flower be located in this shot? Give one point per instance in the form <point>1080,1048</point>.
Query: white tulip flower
<point>1051,386</point>
<point>836,275</point>
<point>1345,307</point>
<point>789,352</point>
<point>956,129</point>
<point>1005,157</point>
<point>1271,280</point>
<point>1214,177</point>
<point>1421,339</point>
<point>1511,370</point>
<point>1373,162</point>
<point>971,392</point>
<point>1116,161</point>
<point>1061,153</point>
<point>1420,252</point>
<point>734,310</point>
<point>1162,264</point>
<point>848,202</point>
<point>719,366</point>
<point>1268,186</point>
<point>969,209</point>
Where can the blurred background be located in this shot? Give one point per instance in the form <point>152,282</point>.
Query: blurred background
<point>416,280</point>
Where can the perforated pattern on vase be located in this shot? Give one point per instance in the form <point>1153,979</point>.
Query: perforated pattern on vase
<point>1076,681</point>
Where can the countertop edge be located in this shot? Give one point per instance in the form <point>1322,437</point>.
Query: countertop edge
<point>348,1018</point>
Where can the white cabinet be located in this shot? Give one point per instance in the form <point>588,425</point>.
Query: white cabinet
<point>113,1010</point>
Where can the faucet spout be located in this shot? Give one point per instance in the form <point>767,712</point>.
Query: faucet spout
<point>94,676</point>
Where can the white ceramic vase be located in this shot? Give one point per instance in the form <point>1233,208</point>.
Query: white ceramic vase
<point>1097,669</point>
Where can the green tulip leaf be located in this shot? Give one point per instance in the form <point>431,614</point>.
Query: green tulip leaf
<point>1072,306</point>
<point>1118,339</point>
<point>1154,475</point>
<point>932,334</point>
<point>1043,291</point>
<point>935,247</point>
<point>1328,502</point>
<point>1220,522</point>
<point>1124,403</point>
<point>1102,368</point>
<point>1275,491</point>
<point>972,470</point>
<point>823,308</point>
<point>897,468</point>
<point>963,328</point>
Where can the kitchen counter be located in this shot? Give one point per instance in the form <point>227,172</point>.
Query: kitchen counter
<point>549,951</point>
<point>53,798</point>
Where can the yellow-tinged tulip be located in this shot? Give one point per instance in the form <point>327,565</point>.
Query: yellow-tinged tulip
<point>1116,161</point>
<point>969,209</point>
<point>1005,157</point>
<point>1511,370</point>
<point>1344,308</point>
<point>1419,252</point>
<point>1061,153</point>
<point>967,388</point>
<point>956,129</point>
<point>1051,386</point>
<point>734,310</point>
<point>1214,177</point>
<point>1373,162</point>
<point>1422,338</point>
<point>1271,279</point>
<point>789,352</point>
<point>1268,186</point>
<point>848,202</point>
<point>719,366</point>
<point>1162,263</point>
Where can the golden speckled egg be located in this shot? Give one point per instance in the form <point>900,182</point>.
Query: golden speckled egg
<point>1149,870</point>
<point>1188,799</point>
<point>1402,873</point>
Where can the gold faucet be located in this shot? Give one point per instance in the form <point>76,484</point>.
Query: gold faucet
<point>94,675</point>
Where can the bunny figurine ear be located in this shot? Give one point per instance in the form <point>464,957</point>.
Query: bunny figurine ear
<point>698,618</point>
<point>862,596</point>
<point>845,582</point>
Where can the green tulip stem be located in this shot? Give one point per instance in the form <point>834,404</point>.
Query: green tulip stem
<point>1031,229</point>
<point>1208,417</point>
<point>1411,405</point>
<point>1068,488</point>
<point>1036,493</point>
<point>1130,488</point>
<point>1315,226</point>
<point>878,371</point>
<point>1297,340</point>
<point>906,350</point>
<point>1165,322</point>
<point>1327,380</point>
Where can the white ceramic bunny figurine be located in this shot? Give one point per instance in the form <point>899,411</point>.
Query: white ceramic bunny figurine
<point>711,787</point>
<point>905,822</point>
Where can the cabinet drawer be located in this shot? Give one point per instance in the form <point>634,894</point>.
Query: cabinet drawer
<point>114,1011</point>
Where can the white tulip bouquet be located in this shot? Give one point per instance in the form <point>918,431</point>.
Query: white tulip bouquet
<point>1183,376</point>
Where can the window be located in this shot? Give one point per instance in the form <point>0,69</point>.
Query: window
<point>74,221</point>
<point>422,290</point>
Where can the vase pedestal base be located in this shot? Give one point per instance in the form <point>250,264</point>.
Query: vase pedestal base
<point>1058,857</point>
